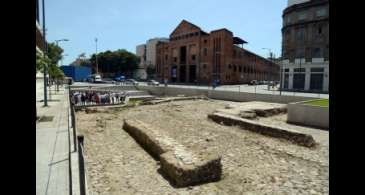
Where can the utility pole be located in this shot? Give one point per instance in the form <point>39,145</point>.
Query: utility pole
<point>44,55</point>
<point>96,55</point>
<point>270,58</point>
<point>281,72</point>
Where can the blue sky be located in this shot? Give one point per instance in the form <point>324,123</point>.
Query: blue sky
<point>122,24</point>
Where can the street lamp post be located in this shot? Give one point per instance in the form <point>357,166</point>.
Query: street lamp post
<point>96,54</point>
<point>270,58</point>
<point>44,55</point>
<point>60,41</point>
<point>281,72</point>
<point>62,58</point>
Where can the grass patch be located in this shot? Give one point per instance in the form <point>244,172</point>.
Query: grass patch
<point>321,102</point>
<point>134,102</point>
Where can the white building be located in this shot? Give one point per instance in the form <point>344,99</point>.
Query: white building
<point>305,46</point>
<point>141,73</point>
<point>147,54</point>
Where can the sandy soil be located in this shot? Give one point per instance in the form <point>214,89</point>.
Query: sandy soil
<point>252,163</point>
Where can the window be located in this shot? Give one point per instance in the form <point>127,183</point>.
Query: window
<point>175,59</point>
<point>317,69</point>
<point>302,16</point>
<point>166,57</point>
<point>287,34</point>
<point>240,69</point>
<point>286,70</point>
<point>191,34</point>
<point>197,33</point>
<point>300,53</point>
<point>319,30</point>
<point>299,69</point>
<point>204,66</point>
<point>300,34</point>
<point>317,53</point>
<point>321,12</point>
<point>205,51</point>
<point>288,20</point>
<point>205,41</point>
<point>234,68</point>
<point>193,57</point>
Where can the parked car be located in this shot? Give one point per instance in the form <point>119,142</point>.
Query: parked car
<point>131,82</point>
<point>94,78</point>
<point>271,83</point>
<point>253,82</point>
<point>153,82</point>
<point>119,78</point>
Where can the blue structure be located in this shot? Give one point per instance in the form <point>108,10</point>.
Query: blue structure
<point>78,73</point>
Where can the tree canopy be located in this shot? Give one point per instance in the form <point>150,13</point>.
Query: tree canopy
<point>41,61</point>
<point>50,61</point>
<point>119,61</point>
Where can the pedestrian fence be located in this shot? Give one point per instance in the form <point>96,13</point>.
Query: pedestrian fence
<point>78,142</point>
<point>82,169</point>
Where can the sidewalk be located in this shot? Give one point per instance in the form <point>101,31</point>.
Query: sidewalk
<point>52,145</point>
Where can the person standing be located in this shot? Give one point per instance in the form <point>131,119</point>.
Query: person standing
<point>165,81</point>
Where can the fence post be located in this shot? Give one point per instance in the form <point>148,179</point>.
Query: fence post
<point>74,127</point>
<point>69,152</point>
<point>80,139</point>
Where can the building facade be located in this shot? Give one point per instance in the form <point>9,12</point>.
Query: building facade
<point>40,47</point>
<point>147,54</point>
<point>195,56</point>
<point>305,46</point>
<point>141,72</point>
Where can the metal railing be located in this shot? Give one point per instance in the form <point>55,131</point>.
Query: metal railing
<point>78,142</point>
<point>80,147</point>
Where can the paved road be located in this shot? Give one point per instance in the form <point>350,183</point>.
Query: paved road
<point>260,89</point>
<point>52,147</point>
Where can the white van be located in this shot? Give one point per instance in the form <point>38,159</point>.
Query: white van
<point>97,78</point>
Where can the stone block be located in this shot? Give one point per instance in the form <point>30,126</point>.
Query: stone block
<point>180,165</point>
<point>268,130</point>
<point>191,173</point>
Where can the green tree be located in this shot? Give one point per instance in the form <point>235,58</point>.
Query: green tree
<point>41,61</point>
<point>116,62</point>
<point>54,53</point>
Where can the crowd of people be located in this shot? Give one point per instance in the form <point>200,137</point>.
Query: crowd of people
<point>95,98</point>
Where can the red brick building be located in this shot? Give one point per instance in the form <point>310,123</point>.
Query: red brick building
<point>194,56</point>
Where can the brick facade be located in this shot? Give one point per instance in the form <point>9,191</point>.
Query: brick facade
<point>194,56</point>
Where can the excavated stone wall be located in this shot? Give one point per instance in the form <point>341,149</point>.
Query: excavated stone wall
<point>181,166</point>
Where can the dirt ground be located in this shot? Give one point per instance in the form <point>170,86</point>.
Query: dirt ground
<point>252,163</point>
